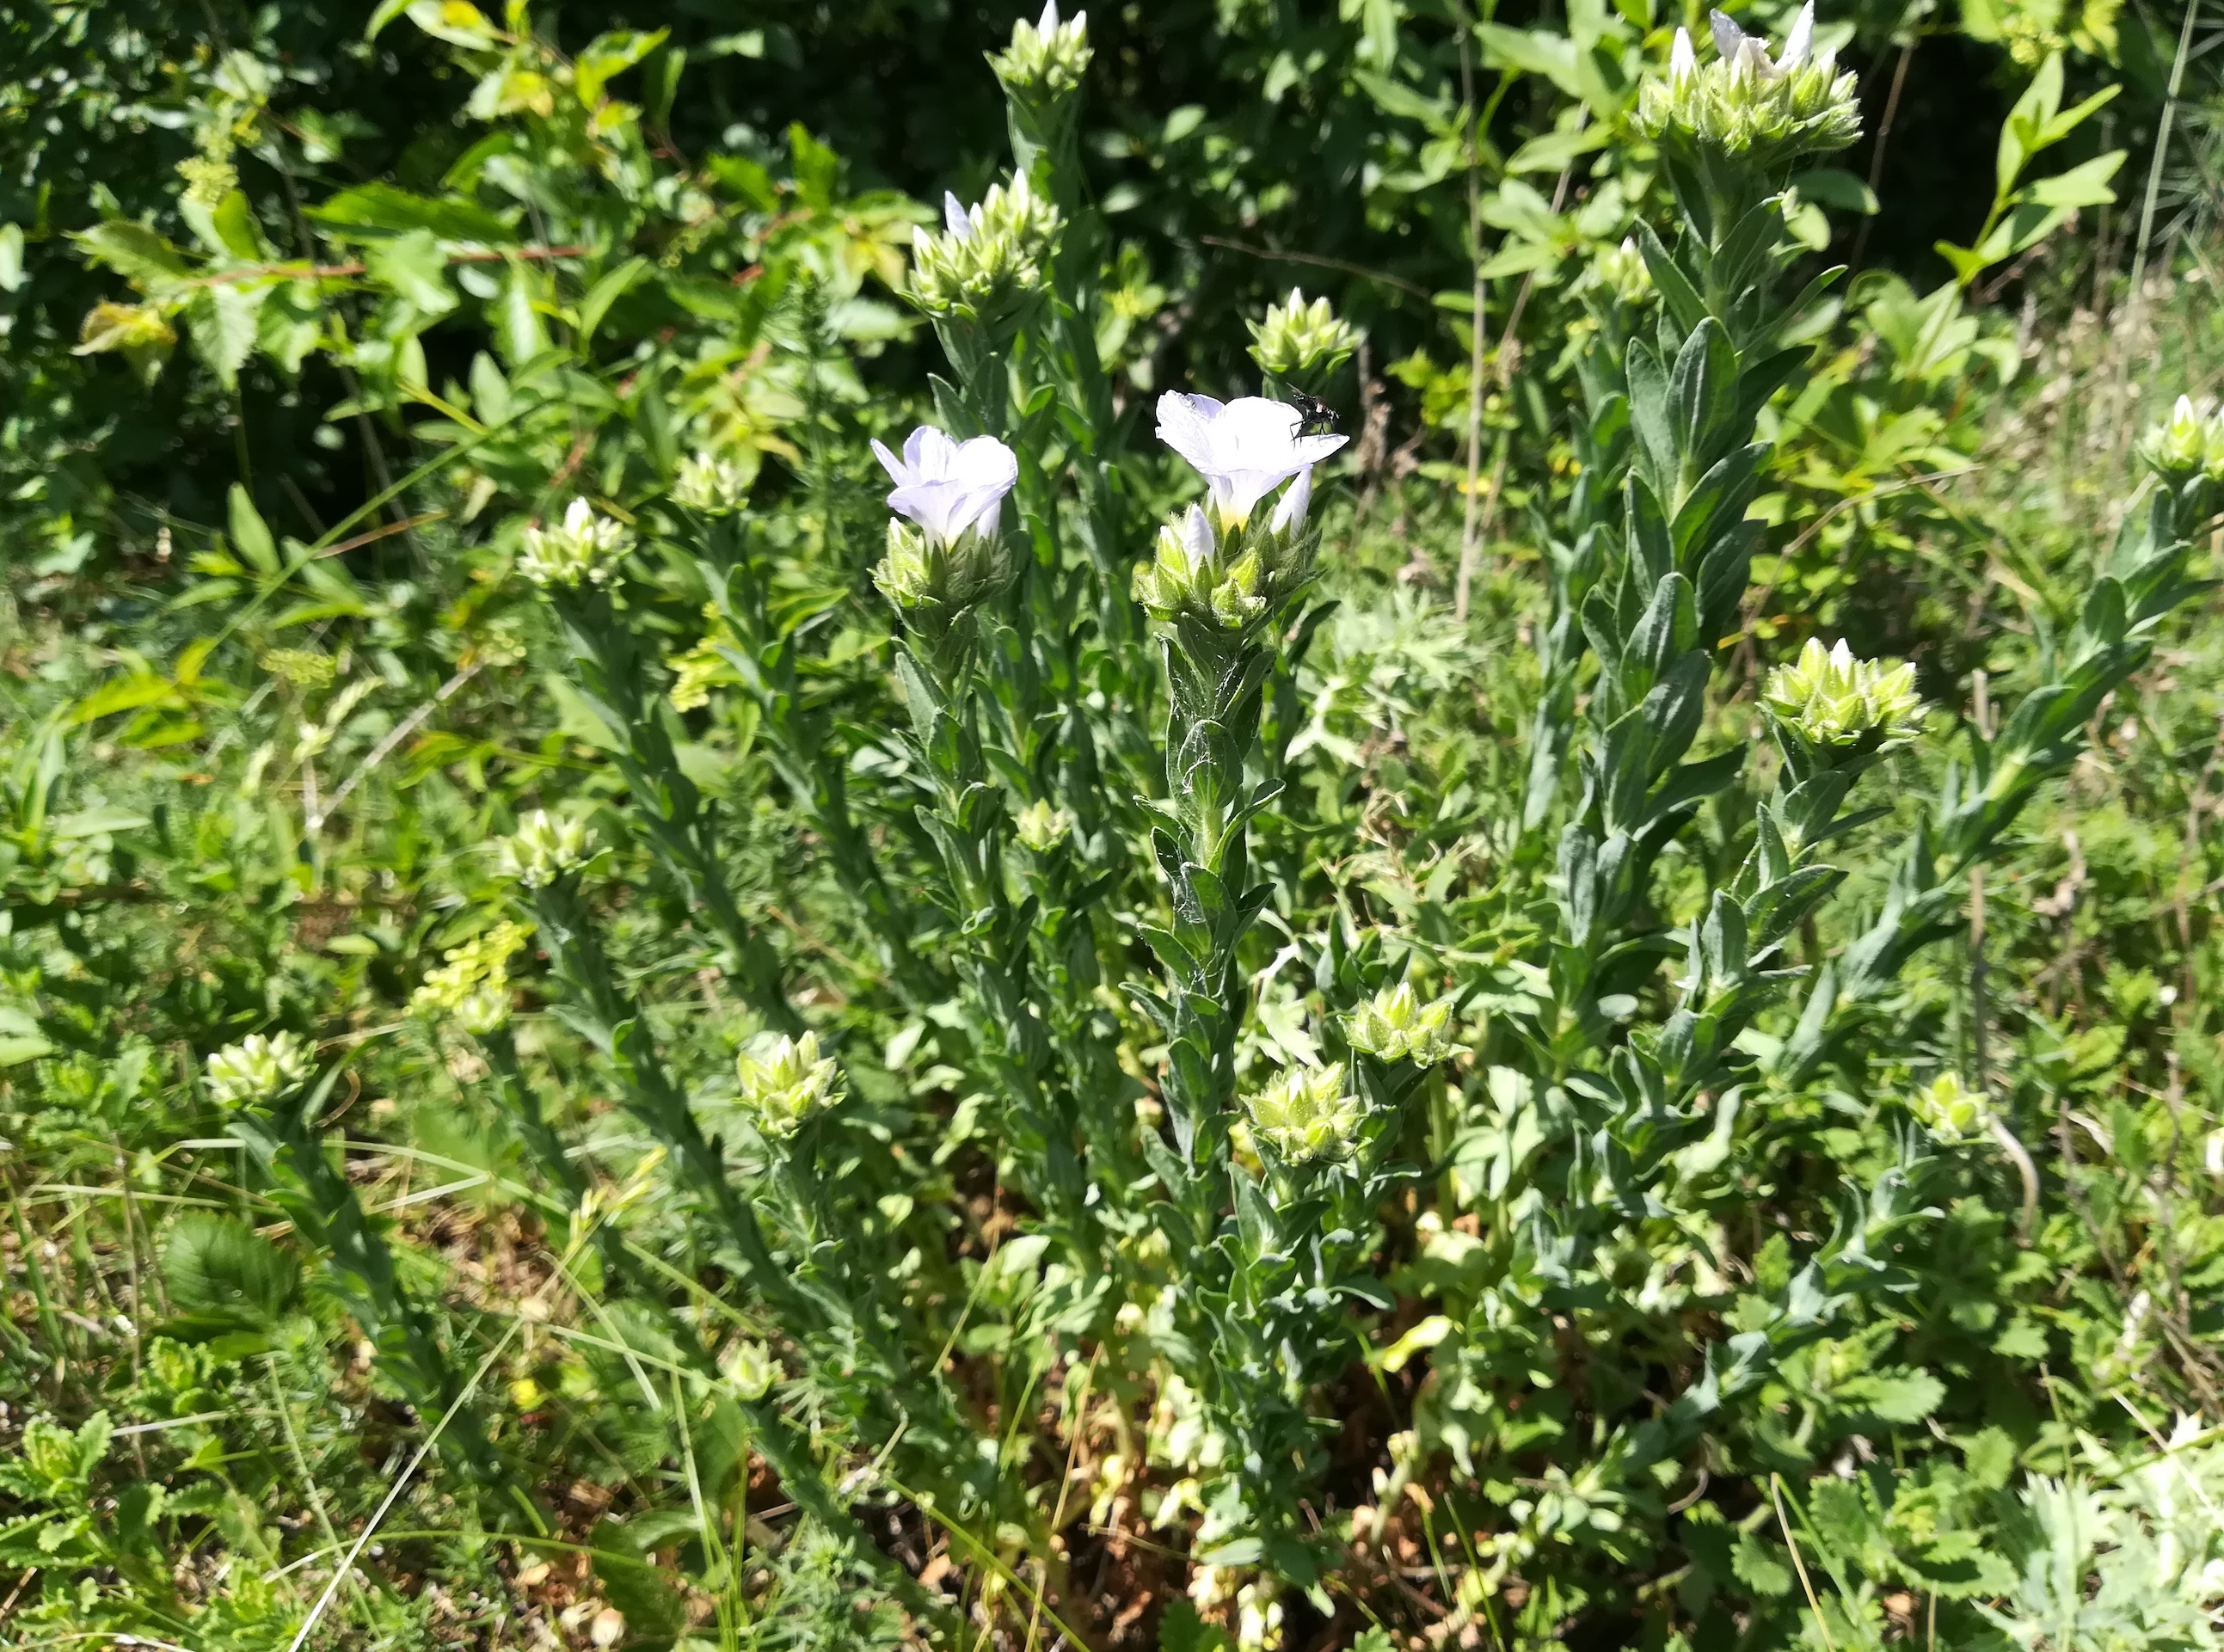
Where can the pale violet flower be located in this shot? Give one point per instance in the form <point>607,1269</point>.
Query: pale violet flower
<point>1749,53</point>
<point>951,489</point>
<point>1244,449</point>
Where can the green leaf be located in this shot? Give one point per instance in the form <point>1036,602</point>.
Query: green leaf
<point>518,330</point>
<point>222,324</point>
<point>371,212</point>
<point>1902,1397</point>
<point>2084,184</point>
<point>412,266</point>
<point>606,291</point>
<point>1762,1567</point>
<point>250,535</point>
<point>1395,97</point>
<point>94,823</point>
<point>218,1264</point>
<point>11,257</point>
<point>135,252</point>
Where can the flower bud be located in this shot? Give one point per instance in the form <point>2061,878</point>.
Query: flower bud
<point>258,1069</point>
<point>1306,1114</point>
<point>471,986</point>
<point>2187,446</point>
<point>1395,1025</point>
<point>1746,103</point>
<point>789,1087</point>
<point>921,576</point>
<point>1831,701</point>
<point>1621,271</point>
<point>987,264</point>
<point>584,549</point>
<point>1046,58</point>
<point>1300,341</point>
<point>1041,829</point>
<point>710,484</point>
<point>1258,1616</point>
<point>543,849</point>
<point>1949,1110</point>
<point>749,1370</point>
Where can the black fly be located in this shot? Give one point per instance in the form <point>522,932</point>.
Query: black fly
<point>1315,417</point>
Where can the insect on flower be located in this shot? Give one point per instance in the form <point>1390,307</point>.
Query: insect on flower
<point>1315,417</point>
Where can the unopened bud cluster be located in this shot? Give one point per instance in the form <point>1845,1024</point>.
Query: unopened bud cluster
<point>1224,580</point>
<point>789,1087</point>
<point>1949,1109</point>
<point>544,848</point>
<point>1300,341</point>
<point>920,573</point>
<point>1831,701</point>
<point>989,259</point>
<point>585,548</point>
<point>2188,445</point>
<point>1622,272</point>
<point>1746,104</point>
<point>710,484</point>
<point>258,1068</point>
<point>1042,828</point>
<point>1395,1025</point>
<point>1046,58</point>
<point>1306,1114</point>
<point>471,986</point>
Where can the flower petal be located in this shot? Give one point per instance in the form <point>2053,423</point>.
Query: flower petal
<point>1290,514</point>
<point>1796,43</point>
<point>953,216</point>
<point>1729,37</point>
<point>1186,424</point>
<point>899,472</point>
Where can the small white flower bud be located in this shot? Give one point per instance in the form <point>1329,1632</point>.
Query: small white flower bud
<point>790,1086</point>
<point>585,548</point>
<point>544,848</point>
<point>257,1069</point>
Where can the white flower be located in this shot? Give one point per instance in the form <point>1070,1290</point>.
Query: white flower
<point>1748,53</point>
<point>949,489</point>
<point>1244,449</point>
<point>1683,59</point>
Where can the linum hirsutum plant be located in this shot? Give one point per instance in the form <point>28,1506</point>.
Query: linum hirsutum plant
<point>1086,879</point>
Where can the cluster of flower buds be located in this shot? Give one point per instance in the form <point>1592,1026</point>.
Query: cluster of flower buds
<point>585,548</point>
<point>945,550</point>
<point>1300,342</point>
<point>1046,58</point>
<point>1746,104</point>
<point>1949,1109</point>
<point>1213,564</point>
<point>2187,446</point>
<point>987,265</point>
<point>788,1087</point>
<point>1835,703</point>
<point>1395,1025</point>
<point>1306,1114</point>
<point>710,484</point>
<point>543,849</point>
<point>1042,828</point>
<point>1621,272</point>
<point>471,986</point>
<point>257,1069</point>
<point>749,1370</point>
